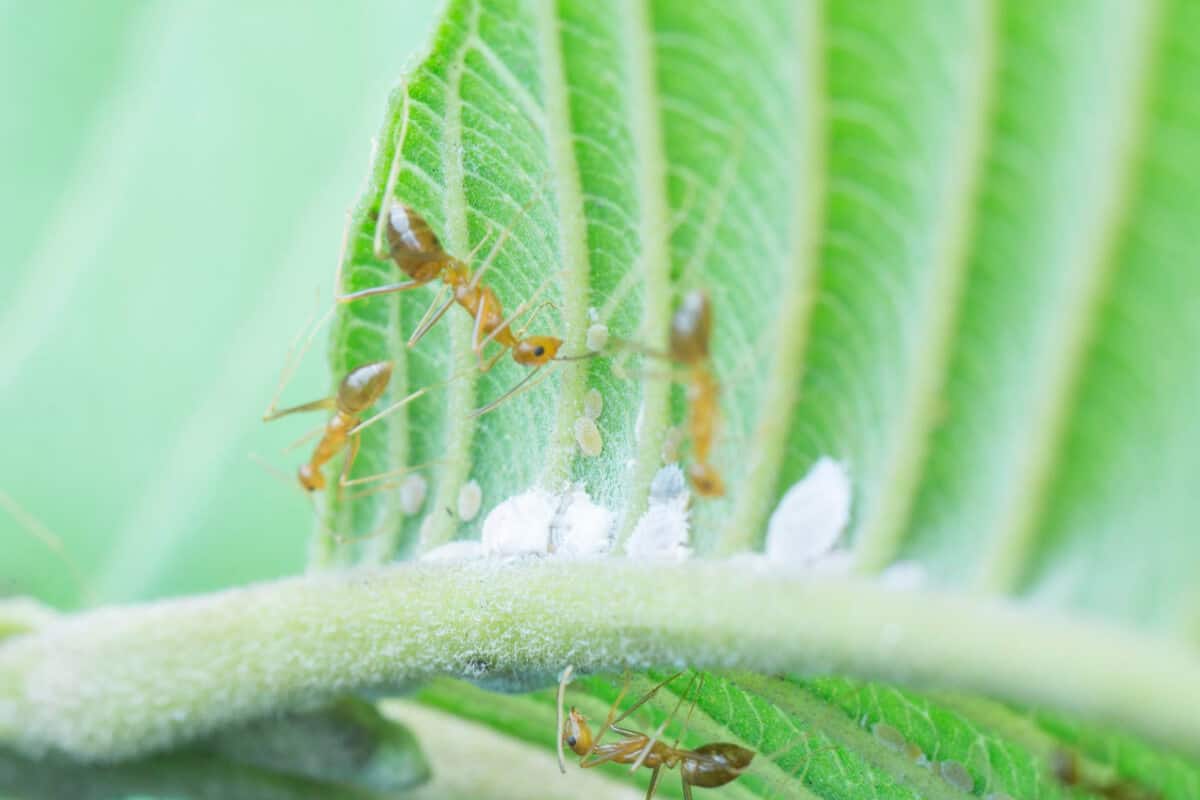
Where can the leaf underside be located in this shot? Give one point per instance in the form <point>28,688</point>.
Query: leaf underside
<point>949,244</point>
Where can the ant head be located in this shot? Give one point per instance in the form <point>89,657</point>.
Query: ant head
<point>576,734</point>
<point>690,328</point>
<point>311,478</point>
<point>706,480</point>
<point>362,386</point>
<point>536,350</point>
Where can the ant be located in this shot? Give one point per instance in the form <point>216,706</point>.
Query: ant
<point>691,330</point>
<point>360,389</point>
<point>357,392</point>
<point>707,766</point>
<point>1066,767</point>
<point>416,250</point>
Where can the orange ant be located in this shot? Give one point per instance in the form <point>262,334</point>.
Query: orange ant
<point>691,330</point>
<point>1066,766</point>
<point>707,766</point>
<point>416,250</point>
<point>357,392</point>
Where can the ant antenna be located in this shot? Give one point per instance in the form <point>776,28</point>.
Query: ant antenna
<point>38,530</point>
<point>659,731</point>
<point>297,349</point>
<point>393,176</point>
<point>562,694</point>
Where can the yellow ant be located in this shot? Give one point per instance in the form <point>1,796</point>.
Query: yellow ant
<point>691,331</point>
<point>360,389</point>
<point>416,250</point>
<point>1067,769</point>
<point>707,766</point>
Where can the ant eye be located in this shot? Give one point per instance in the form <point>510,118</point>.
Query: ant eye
<point>539,351</point>
<point>570,741</point>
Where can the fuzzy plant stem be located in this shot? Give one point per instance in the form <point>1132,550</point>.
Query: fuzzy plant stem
<point>125,681</point>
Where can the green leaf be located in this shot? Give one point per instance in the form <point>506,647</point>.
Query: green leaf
<point>948,244</point>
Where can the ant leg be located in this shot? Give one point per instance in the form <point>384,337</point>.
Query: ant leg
<point>609,720</point>
<point>688,719</point>
<point>386,288</point>
<point>324,404</point>
<point>53,542</point>
<point>297,349</point>
<point>654,776</point>
<point>393,176</point>
<point>521,309</point>
<point>659,731</point>
<point>563,680</point>
<point>348,462</point>
<point>687,788</point>
<point>396,406</point>
<point>653,691</point>
<point>518,334</point>
<point>403,401</point>
<point>431,316</point>
<point>274,471</point>
<point>487,262</point>
<point>711,221</point>
<point>477,329</point>
<point>385,476</point>
<point>677,373</point>
<point>522,386</point>
<point>308,437</point>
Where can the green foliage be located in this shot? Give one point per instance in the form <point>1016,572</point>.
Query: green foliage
<point>949,244</point>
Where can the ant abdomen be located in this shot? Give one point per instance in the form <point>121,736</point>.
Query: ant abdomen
<point>413,245</point>
<point>706,480</point>
<point>362,386</point>
<point>690,328</point>
<point>716,765</point>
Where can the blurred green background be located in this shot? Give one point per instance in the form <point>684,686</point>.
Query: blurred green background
<point>175,181</point>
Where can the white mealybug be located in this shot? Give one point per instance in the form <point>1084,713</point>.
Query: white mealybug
<point>597,337</point>
<point>888,736</point>
<point>470,498</point>
<point>581,528</point>
<point>811,517</point>
<point>663,532</point>
<point>412,494</point>
<point>588,437</point>
<point>956,775</point>
<point>520,525</point>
